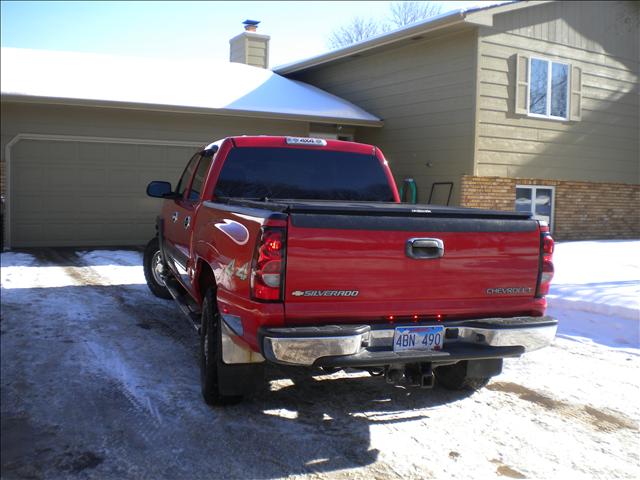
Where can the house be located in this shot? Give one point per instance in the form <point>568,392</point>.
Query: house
<point>83,134</point>
<point>530,106</point>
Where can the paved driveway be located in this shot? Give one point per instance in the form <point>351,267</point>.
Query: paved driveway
<point>100,380</point>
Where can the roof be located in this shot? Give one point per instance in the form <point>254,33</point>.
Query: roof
<point>471,16</point>
<point>170,85</point>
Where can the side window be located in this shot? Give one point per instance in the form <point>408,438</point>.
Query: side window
<point>548,89</point>
<point>199,178</point>
<point>183,183</point>
<point>536,200</point>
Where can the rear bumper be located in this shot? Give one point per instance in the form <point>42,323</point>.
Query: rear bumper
<point>372,345</point>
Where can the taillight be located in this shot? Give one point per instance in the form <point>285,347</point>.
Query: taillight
<point>267,270</point>
<point>545,273</point>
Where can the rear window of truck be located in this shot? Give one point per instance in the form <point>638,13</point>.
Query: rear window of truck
<point>294,173</point>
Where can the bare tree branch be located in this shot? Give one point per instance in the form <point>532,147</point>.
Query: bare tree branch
<point>406,13</point>
<point>401,14</point>
<point>357,29</point>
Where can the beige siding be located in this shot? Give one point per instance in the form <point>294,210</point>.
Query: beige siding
<point>250,48</point>
<point>599,37</point>
<point>66,191</point>
<point>257,52</point>
<point>424,93</point>
<point>114,122</point>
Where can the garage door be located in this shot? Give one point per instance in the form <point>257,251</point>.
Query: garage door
<point>87,193</point>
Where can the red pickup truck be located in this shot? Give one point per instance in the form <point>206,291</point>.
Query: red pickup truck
<point>297,251</point>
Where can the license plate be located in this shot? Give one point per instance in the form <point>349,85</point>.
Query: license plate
<point>418,338</point>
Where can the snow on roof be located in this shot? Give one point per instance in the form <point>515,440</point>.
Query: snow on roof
<point>223,86</point>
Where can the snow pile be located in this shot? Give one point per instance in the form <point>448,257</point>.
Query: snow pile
<point>596,291</point>
<point>599,277</point>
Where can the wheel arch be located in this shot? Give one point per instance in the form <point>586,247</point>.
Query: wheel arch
<point>204,279</point>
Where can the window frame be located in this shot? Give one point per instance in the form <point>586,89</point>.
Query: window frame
<point>549,81</point>
<point>534,188</point>
<point>184,171</point>
<point>203,158</point>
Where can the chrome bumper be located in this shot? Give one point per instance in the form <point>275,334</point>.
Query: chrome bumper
<point>524,334</point>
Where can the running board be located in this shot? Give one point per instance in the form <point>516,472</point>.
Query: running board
<point>190,309</point>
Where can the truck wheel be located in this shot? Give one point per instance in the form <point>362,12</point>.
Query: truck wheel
<point>211,365</point>
<point>152,269</point>
<point>456,377</point>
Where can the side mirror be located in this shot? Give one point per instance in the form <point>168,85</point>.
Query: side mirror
<point>160,190</point>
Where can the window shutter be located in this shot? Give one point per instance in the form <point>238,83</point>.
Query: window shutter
<point>575,104</point>
<point>522,84</point>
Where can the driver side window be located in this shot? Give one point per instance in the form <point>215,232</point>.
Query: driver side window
<point>183,183</point>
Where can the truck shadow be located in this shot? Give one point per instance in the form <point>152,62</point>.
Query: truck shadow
<point>323,423</point>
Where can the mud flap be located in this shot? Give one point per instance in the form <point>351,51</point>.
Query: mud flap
<point>240,379</point>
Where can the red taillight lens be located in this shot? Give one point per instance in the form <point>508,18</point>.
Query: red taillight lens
<point>545,274</point>
<point>267,272</point>
<point>547,244</point>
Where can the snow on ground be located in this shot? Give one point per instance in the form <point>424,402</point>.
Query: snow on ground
<point>100,380</point>
<point>104,267</point>
<point>596,292</point>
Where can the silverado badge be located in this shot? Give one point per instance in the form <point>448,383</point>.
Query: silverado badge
<point>325,293</point>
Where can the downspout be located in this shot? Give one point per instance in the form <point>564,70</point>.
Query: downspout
<point>6,217</point>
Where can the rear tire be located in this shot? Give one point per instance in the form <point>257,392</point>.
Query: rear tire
<point>211,365</point>
<point>153,267</point>
<point>454,377</point>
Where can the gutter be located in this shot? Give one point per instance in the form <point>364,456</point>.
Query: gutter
<point>17,98</point>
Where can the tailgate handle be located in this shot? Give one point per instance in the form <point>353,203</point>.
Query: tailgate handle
<point>424,248</point>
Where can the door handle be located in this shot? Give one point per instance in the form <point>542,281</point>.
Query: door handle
<point>424,248</point>
<point>174,217</point>
<point>187,222</point>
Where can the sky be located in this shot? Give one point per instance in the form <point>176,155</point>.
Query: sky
<point>188,30</point>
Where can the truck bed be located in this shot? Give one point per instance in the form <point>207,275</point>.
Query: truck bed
<point>348,261</point>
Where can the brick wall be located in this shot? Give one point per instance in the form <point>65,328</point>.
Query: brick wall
<point>583,210</point>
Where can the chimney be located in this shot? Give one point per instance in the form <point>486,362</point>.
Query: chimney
<point>250,47</point>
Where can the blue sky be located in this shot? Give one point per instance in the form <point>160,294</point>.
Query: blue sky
<point>182,29</point>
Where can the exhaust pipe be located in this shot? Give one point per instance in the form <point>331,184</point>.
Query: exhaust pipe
<point>394,374</point>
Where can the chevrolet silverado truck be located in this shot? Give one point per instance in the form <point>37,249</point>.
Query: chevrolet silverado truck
<point>297,251</point>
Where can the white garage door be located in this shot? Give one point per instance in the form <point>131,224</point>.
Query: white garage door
<point>87,193</point>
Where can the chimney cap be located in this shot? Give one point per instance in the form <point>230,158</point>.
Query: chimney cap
<point>251,23</point>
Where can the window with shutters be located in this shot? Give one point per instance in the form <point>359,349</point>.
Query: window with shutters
<point>548,89</point>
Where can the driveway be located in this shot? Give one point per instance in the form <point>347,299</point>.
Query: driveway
<point>100,380</point>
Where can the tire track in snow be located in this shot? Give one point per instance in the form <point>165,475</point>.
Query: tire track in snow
<point>109,361</point>
<point>145,387</point>
<point>113,366</point>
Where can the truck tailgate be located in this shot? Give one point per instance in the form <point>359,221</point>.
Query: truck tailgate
<point>342,267</point>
